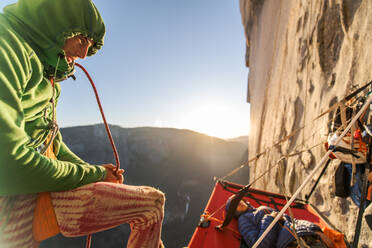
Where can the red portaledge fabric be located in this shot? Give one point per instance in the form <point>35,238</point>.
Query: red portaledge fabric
<point>209,237</point>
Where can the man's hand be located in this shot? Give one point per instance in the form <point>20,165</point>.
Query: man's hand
<point>274,214</point>
<point>281,220</point>
<point>113,176</point>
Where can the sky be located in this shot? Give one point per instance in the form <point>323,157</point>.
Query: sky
<point>165,63</point>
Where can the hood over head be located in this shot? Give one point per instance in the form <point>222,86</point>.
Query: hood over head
<point>46,24</point>
<point>237,214</point>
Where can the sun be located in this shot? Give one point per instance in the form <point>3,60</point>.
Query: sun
<point>216,120</point>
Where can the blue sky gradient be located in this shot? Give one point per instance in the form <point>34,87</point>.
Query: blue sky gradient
<point>165,63</point>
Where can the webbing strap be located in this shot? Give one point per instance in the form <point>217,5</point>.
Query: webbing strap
<point>353,163</point>
<point>233,205</point>
<point>307,196</point>
<point>237,233</point>
<point>345,99</point>
<point>44,224</point>
<point>343,115</point>
<point>294,132</point>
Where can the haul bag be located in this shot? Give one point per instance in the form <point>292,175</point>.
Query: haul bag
<point>342,181</point>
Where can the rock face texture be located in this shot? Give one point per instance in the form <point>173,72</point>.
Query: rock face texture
<point>303,56</point>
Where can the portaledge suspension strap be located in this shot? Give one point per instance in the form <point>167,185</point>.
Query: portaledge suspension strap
<point>307,196</point>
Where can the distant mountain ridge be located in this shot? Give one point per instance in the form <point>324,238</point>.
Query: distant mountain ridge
<point>181,163</point>
<point>241,139</point>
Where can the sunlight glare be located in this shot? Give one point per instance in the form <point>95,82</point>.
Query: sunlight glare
<point>217,121</point>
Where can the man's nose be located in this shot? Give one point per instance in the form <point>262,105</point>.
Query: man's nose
<point>83,51</point>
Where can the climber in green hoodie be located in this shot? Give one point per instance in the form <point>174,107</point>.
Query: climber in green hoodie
<point>39,42</point>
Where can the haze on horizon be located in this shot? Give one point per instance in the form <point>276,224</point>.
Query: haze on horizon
<point>165,63</point>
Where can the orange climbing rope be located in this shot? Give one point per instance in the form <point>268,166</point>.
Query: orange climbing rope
<point>103,116</point>
<point>89,237</point>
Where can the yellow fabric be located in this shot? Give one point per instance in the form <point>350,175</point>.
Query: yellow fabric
<point>45,224</point>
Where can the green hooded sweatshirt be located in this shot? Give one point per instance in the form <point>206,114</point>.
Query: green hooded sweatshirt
<point>32,34</point>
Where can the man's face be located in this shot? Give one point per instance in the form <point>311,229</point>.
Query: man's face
<point>76,47</point>
<point>242,207</point>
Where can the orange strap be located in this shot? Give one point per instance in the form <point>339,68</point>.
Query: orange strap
<point>236,233</point>
<point>44,224</point>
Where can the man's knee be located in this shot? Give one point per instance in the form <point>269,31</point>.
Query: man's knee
<point>160,198</point>
<point>154,193</point>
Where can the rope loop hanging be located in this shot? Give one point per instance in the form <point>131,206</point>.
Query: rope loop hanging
<point>103,116</point>
<point>89,237</point>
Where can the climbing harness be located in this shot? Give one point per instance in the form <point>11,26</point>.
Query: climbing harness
<point>44,224</point>
<point>53,126</point>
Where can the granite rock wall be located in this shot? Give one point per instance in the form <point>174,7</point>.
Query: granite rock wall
<point>303,56</point>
